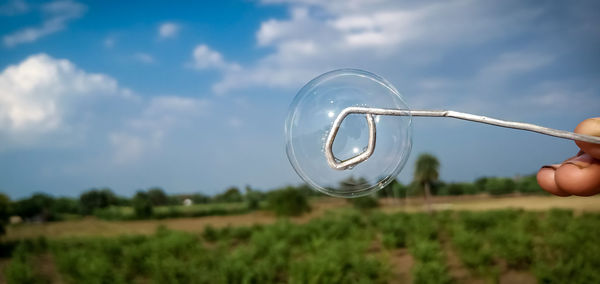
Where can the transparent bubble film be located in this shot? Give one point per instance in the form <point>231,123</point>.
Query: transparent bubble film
<point>310,119</point>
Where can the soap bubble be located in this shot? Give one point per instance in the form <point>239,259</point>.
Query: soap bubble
<point>311,116</point>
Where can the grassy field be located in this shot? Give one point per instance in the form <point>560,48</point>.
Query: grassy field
<point>527,243</point>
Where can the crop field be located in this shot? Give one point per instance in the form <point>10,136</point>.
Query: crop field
<point>340,246</point>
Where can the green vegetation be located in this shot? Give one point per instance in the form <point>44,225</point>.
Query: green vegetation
<point>142,205</point>
<point>418,233</point>
<point>329,250</point>
<point>232,194</point>
<point>95,199</point>
<point>554,246</point>
<point>4,212</point>
<point>557,246</point>
<point>154,203</point>
<point>151,204</point>
<point>426,173</point>
<point>289,201</point>
<point>364,203</point>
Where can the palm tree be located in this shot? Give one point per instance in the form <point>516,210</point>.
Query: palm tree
<point>426,172</point>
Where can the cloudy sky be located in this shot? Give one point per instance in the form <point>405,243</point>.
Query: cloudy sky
<point>193,96</point>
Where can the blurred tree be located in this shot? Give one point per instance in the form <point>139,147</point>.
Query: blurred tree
<point>96,199</point>
<point>199,198</point>
<point>121,201</point>
<point>309,191</point>
<point>499,186</point>
<point>457,189</point>
<point>176,199</point>
<point>528,184</point>
<point>36,207</point>
<point>142,205</point>
<point>289,201</point>
<point>4,212</point>
<point>426,172</point>
<point>232,194</point>
<point>364,202</point>
<point>480,184</point>
<point>253,198</point>
<point>66,205</point>
<point>394,189</point>
<point>158,197</point>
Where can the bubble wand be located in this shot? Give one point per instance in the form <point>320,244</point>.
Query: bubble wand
<point>369,112</point>
<point>322,108</point>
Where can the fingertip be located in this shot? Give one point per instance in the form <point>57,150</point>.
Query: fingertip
<point>590,126</point>
<point>579,176</point>
<point>546,180</point>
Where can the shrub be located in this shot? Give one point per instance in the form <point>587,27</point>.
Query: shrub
<point>288,202</point>
<point>65,205</point>
<point>157,196</point>
<point>38,206</point>
<point>253,198</point>
<point>96,199</point>
<point>499,186</point>
<point>20,268</point>
<point>364,203</point>
<point>457,189</point>
<point>431,272</point>
<point>528,184</point>
<point>142,205</point>
<point>394,229</point>
<point>232,194</point>
<point>210,234</point>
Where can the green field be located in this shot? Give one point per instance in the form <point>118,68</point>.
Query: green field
<point>342,246</point>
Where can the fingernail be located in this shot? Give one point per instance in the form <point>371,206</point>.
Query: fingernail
<point>554,166</point>
<point>581,162</point>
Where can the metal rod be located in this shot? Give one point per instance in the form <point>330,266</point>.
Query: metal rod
<point>369,112</point>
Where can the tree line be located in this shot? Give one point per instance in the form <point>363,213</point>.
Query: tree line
<point>426,182</point>
<point>153,203</point>
<point>289,200</point>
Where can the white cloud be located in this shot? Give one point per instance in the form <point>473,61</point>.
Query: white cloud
<point>146,131</point>
<point>168,30</point>
<point>144,58</point>
<point>48,102</point>
<point>174,104</point>
<point>203,57</point>
<point>126,147</point>
<point>322,35</point>
<point>57,14</point>
<point>35,95</point>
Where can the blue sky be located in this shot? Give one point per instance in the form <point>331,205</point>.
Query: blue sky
<point>192,96</point>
